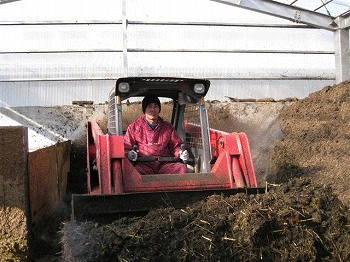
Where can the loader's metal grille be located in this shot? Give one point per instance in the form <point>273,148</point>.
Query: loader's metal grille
<point>194,135</point>
<point>163,80</point>
<point>112,118</point>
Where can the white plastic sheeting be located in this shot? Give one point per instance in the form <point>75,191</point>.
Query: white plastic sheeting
<point>63,93</point>
<point>57,62</point>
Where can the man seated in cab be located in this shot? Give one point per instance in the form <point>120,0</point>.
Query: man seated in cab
<point>154,137</point>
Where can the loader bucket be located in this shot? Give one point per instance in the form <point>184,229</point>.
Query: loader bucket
<point>108,208</point>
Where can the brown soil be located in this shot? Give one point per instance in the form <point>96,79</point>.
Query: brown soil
<point>13,235</point>
<point>316,140</point>
<point>301,219</point>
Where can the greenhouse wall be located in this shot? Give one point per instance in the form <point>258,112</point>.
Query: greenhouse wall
<point>56,57</point>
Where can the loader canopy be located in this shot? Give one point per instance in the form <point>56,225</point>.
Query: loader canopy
<point>161,87</point>
<point>188,114</point>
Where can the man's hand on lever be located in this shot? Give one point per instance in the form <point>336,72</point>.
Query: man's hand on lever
<point>133,155</point>
<point>184,156</point>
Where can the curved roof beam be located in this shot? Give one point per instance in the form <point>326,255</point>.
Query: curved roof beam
<point>7,1</point>
<point>292,13</point>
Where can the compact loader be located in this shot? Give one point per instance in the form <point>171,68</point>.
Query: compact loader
<point>219,163</point>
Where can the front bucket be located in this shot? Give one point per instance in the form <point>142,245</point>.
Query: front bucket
<point>107,208</point>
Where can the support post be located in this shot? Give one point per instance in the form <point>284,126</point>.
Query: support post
<point>341,50</point>
<point>205,137</point>
<point>125,40</point>
<point>119,115</point>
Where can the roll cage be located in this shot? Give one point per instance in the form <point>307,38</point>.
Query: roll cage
<point>189,114</point>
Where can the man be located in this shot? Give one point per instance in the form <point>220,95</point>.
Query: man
<point>154,137</point>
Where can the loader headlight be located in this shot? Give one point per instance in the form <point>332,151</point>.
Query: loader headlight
<point>199,89</point>
<point>123,87</point>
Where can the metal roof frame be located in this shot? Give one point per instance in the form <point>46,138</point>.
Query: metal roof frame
<point>294,13</point>
<point>339,25</point>
<point>7,1</point>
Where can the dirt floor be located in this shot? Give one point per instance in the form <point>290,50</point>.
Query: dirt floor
<point>303,217</point>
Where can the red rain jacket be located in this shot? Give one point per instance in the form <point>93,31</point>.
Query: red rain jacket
<point>162,141</point>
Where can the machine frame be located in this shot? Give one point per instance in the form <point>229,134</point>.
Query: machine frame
<point>222,163</point>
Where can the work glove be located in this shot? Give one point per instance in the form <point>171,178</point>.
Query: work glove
<point>132,155</point>
<point>184,156</point>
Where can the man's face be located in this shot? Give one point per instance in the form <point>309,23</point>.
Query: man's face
<point>152,112</point>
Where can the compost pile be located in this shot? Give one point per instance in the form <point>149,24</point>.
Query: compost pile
<point>303,216</point>
<point>316,140</point>
<point>297,221</point>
